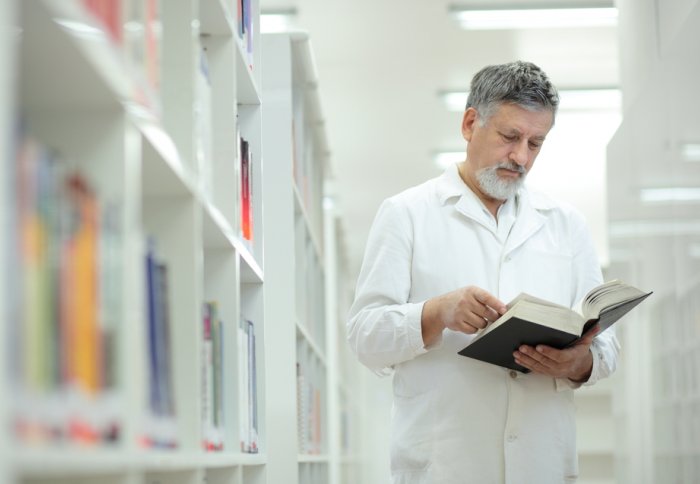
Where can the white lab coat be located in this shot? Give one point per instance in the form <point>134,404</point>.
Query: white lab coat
<point>455,419</point>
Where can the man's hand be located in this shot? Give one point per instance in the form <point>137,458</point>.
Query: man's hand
<point>574,362</point>
<point>466,309</point>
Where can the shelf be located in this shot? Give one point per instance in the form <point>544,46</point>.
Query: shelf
<point>57,461</point>
<point>163,172</point>
<point>313,459</point>
<point>215,18</point>
<point>218,234</point>
<point>247,91</point>
<point>251,272</point>
<point>87,461</point>
<point>315,348</point>
<point>62,30</point>
<point>313,236</point>
<point>176,256</point>
<point>178,460</point>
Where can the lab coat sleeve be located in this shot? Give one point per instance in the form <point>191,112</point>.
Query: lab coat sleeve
<point>587,274</point>
<point>384,329</point>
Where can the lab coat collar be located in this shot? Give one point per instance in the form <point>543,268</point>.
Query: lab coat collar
<point>530,207</point>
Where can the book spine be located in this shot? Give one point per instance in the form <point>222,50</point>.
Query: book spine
<point>252,390</point>
<point>160,420</point>
<point>207,380</point>
<point>245,190</point>
<point>243,386</point>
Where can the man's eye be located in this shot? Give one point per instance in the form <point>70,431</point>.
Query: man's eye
<point>535,146</point>
<point>509,137</point>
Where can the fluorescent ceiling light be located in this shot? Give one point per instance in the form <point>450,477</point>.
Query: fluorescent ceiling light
<point>273,21</point>
<point>496,17</point>
<point>444,159</point>
<point>690,151</point>
<point>670,194</point>
<point>594,99</point>
<point>650,228</point>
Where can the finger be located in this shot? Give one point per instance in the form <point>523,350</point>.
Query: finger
<point>465,327</point>
<point>476,320</point>
<point>530,363</point>
<point>543,355</point>
<point>588,337</point>
<point>490,314</point>
<point>489,300</point>
<point>536,362</point>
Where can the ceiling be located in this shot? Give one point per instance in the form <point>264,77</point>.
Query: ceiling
<point>381,64</point>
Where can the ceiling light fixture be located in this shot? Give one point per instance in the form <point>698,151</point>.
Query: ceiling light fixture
<point>589,99</point>
<point>690,151</point>
<point>278,20</point>
<point>670,194</point>
<point>509,16</point>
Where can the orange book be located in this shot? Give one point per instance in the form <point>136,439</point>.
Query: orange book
<point>86,351</point>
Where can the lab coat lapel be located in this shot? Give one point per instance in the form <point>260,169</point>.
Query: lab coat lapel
<point>469,206</point>
<point>527,223</point>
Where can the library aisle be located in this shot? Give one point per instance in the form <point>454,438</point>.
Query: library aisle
<point>173,303</point>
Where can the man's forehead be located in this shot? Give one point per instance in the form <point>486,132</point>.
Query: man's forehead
<point>520,120</point>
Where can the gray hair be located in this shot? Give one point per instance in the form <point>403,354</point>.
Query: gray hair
<point>521,83</point>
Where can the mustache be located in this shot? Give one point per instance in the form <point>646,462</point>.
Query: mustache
<point>509,165</point>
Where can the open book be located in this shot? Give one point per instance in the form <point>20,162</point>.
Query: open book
<point>532,321</point>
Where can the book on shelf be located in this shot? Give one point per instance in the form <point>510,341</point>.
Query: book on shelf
<point>65,303</point>
<point>108,13</point>
<point>245,28</point>
<point>309,412</point>
<point>142,42</point>
<point>203,125</point>
<point>212,379</point>
<point>533,321</point>
<point>246,198</point>
<point>247,387</point>
<point>159,428</point>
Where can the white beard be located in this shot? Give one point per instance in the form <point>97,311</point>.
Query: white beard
<point>497,187</point>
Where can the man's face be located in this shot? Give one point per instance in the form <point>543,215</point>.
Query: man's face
<point>502,151</point>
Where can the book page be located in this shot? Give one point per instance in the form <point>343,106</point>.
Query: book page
<point>607,296</point>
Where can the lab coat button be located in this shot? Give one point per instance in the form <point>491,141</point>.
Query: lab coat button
<point>512,438</point>
<point>513,374</point>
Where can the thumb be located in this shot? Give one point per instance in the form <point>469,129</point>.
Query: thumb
<point>589,335</point>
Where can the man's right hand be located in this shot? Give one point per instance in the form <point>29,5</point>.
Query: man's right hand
<point>467,309</point>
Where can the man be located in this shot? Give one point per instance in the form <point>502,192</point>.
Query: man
<point>441,260</point>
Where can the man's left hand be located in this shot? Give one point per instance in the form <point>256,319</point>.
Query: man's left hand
<point>574,362</point>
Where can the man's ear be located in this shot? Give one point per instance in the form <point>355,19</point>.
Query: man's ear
<point>468,123</point>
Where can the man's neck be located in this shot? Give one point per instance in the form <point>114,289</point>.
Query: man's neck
<point>491,204</point>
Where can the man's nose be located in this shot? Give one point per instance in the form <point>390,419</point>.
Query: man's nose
<point>520,153</point>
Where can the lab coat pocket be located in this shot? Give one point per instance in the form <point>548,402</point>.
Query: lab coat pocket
<point>412,437</point>
<point>548,274</point>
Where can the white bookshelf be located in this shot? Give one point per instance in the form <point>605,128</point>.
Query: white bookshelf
<point>305,284</point>
<point>346,391</point>
<point>7,85</point>
<point>166,161</point>
<point>296,159</point>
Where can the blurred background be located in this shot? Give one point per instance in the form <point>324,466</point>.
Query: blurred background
<point>625,150</point>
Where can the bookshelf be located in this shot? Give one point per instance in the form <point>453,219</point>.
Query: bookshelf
<point>296,159</point>
<point>306,291</point>
<point>7,81</point>
<point>126,208</point>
